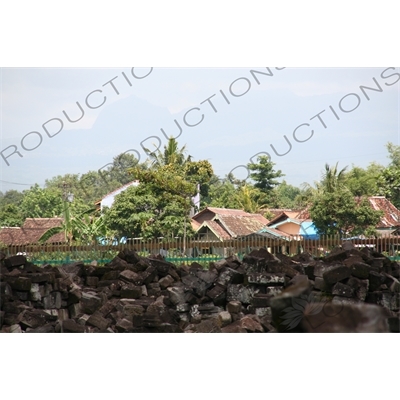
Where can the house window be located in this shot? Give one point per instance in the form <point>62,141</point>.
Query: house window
<point>206,250</point>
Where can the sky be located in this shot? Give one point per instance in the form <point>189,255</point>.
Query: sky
<point>225,115</point>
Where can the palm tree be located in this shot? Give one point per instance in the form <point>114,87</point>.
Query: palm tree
<point>246,197</point>
<point>171,155</point>
<point>332,179</point>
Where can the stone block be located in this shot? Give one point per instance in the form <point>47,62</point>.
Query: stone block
<point>360,270</point>
<point>47,328</point>
<point>63,314</point>
<point>266,279</point>
<point>70,326</point>
<point>35,292</point>
<point>229,275</point>
<point>217,294</point>
<point>23,296</point>
<point>225,318</point>
<point>250,324</point>
<point>52,301</point>
<point>92,281</point>
<point>394,324</point>
<point>90,303</point>
<point>15,328</point>
<point>130,276</point>
<point>124,325</point>
<point>98,321</point>
<point>360,287</point>
<point>261,300</point>
<point>340,289</point>
<point>235,327</point>
<point>346,318</point>
<point>166,282</point>
<point>239,293</point>
<point>319,284</point>
<point>131,292</point>
<point>376,279</point>
<point>234,307</point>
<point>273,290</point>
<point>15,261</point>
<point>177,295</point>
<point>20,284</point>
<point>336,274</point>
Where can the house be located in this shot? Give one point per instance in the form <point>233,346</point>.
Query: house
<point>285,243</point>
<point>390,221</point>
<point>31,231</point>
<point>108,199</point>
<point>220,224</point>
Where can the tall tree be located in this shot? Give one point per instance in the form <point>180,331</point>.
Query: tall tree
<point>265,180</point>
<point>332,178</point>
<point>264,175</point>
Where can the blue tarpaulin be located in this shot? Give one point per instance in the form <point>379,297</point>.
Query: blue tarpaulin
<point>308,230</point>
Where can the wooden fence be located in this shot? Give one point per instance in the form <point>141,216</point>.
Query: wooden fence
<point>190,250</point>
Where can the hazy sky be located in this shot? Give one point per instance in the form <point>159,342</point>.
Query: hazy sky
<point>226,116</point>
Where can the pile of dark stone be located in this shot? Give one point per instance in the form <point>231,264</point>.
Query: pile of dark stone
<point>350,290</point>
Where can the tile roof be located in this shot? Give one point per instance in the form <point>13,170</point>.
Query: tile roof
<point>275,232</point>
<point>283,214</point>
<point>241,225</point>
<point>217,229</point>
<point>391,215</point>
<point>31,231</point>
<point>42,223</point>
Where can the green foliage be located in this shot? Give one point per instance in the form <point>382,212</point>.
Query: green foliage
<point>10,215</point>
<point>335,209</point>
<point>171,155</point>
<point>364,182</point>
<point>11,197</point>
<point>41,203</point>
<point>139,212</point>
<point>389,181</point>
<point>264,175</point>
<point>222,194</point>
<point>286,195</point>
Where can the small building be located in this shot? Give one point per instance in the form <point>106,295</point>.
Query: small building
<point>215,225</point>
<point>108,199</point>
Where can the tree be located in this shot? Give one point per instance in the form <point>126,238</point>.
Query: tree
<point>10,215</point>
<point>41,203</point>
<point>394,154</point>
<point>339,213</point>
<point>248,197</point>
<point>222,194</point>
<point>171,155</point>
<point>285,195</point>
<point>79,229</point>
<point>264,175</point>
<point>332,179</point>
<point>335,210</point>
<point>389,181</point>
<point>140,212</point>
<point>11,197</point>
<point>364,182</point>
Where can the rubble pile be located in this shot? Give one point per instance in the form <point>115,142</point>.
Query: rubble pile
<point>348,291</point>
